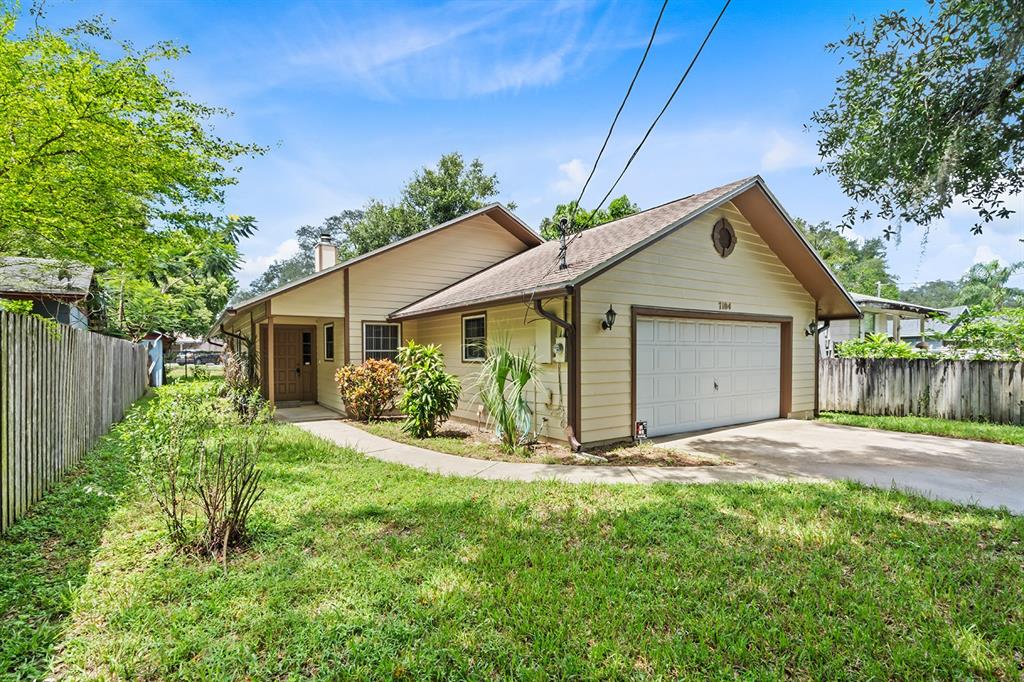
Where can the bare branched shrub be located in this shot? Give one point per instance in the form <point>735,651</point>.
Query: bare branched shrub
<point>227,485</point>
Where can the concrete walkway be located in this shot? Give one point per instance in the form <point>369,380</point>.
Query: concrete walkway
<point>988,474</point>
<point>438,462</point>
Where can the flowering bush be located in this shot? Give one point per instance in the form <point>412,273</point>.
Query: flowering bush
<point>368,390</point>
<point>431,394</point>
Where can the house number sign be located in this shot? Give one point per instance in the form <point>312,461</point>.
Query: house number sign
<point>724,305</point>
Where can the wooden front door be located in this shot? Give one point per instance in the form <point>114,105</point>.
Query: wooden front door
<point>294,363</point>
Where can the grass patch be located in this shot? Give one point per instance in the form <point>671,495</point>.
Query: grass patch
<point>983,431</point>
<point>363,569</point>
<point>45,558</point>
<point>455,438</point>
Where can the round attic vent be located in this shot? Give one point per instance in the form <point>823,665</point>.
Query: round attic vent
<point>723,237</point>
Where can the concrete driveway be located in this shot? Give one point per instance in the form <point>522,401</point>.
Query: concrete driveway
<point>988,474</point>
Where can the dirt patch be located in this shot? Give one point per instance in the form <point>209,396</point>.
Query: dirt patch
<point>466,440</point>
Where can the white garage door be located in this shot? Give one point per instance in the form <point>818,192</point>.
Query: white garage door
<point>697,374</point>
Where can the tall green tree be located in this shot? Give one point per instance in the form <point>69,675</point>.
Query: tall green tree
<point>431,197</point>
<point>582,219</point>
<point>859,266</point>
<point>300,264</point>
<point>103,160</point>
<point>988,284</point>
<point>929,112</point>
<point>939,293</point>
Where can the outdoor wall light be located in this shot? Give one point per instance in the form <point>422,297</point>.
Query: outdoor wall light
<point>609,319</point>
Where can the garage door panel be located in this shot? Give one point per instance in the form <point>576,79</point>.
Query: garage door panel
<point>697,374</point>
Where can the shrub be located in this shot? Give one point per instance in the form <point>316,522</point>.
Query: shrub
<point>227,485</point>
<point>368,390</point>
<point>877,345</point>
<point>502,384</point>
<point>431,394</point>
<point>198,459</point>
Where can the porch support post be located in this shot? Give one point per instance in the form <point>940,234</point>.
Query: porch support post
<point>271,380</point>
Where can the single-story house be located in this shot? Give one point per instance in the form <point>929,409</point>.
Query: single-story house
<point>698,313</point>
<point>59,289</point>
<point>927,331</point>
<point>880,315</point>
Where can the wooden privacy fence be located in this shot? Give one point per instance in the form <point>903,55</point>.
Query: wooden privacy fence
<point>60,390</point>
<point>950,389</point>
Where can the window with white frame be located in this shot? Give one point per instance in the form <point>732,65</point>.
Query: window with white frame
<point>380,340</point>
<point>474,338</point>
<point>329,342</point>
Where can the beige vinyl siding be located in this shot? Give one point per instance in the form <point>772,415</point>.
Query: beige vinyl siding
<point>322,297</point>
<point>394,279</point>
<point>549,397</point>
<point>684,271</point>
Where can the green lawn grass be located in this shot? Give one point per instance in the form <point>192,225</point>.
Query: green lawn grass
<point>983,431</point>
<point>453,444</point>
<point>363,569</point>
<point>45,558</point>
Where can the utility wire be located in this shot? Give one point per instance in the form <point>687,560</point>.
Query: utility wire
<point>662,112</point>
<point>607,137</point>
<point>629,90</point>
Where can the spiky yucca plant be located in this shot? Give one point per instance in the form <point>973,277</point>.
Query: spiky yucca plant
<point>502,386</point>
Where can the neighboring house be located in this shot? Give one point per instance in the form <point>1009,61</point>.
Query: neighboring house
<point>881,315</point>
<point>697,313</point>
<point>933,327</point>
<point>58,289</point>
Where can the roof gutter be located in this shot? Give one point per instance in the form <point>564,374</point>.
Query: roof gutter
<point>574,373</point>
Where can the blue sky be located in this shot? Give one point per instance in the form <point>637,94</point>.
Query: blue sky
<point>353,97</point>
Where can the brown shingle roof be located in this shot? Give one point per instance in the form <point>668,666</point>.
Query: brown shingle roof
<point>536,270</point>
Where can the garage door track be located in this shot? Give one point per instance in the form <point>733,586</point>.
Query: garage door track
<point>988,474</point>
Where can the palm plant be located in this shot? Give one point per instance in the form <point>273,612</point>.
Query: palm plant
<point>502,385</point>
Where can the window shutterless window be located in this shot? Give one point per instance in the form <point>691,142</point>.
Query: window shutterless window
<point>329,341</point>
<point>380,340</point>
<point>474,338</point>
<point>307,348</point>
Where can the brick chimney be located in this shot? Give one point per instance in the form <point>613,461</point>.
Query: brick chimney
<point>325,254</point>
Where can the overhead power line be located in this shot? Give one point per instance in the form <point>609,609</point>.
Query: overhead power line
<point>664,108</point>
<point>611,128</point>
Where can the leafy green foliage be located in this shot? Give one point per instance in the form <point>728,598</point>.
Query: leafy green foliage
<point>431,197</point>
<point>502,385</point>
<point>985,284</point>
<point>939,293</point>
<point>301,264</point>
<point>876,345</point>
<point>431,394</point>
<point>198,461</point>
<point>582,219</point>
<point>859,266</point>
<point>988,334</point>
<point>368,390</point>
<point>929,112</point>
<point>104,161</point>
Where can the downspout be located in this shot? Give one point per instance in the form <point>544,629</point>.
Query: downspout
<point>570,337</point>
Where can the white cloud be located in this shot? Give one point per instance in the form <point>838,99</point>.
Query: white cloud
<point>985,254</point>
<point>574,175</point>
<point>787,152</point>
<point>450,51</point>
<point>253,266</point>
